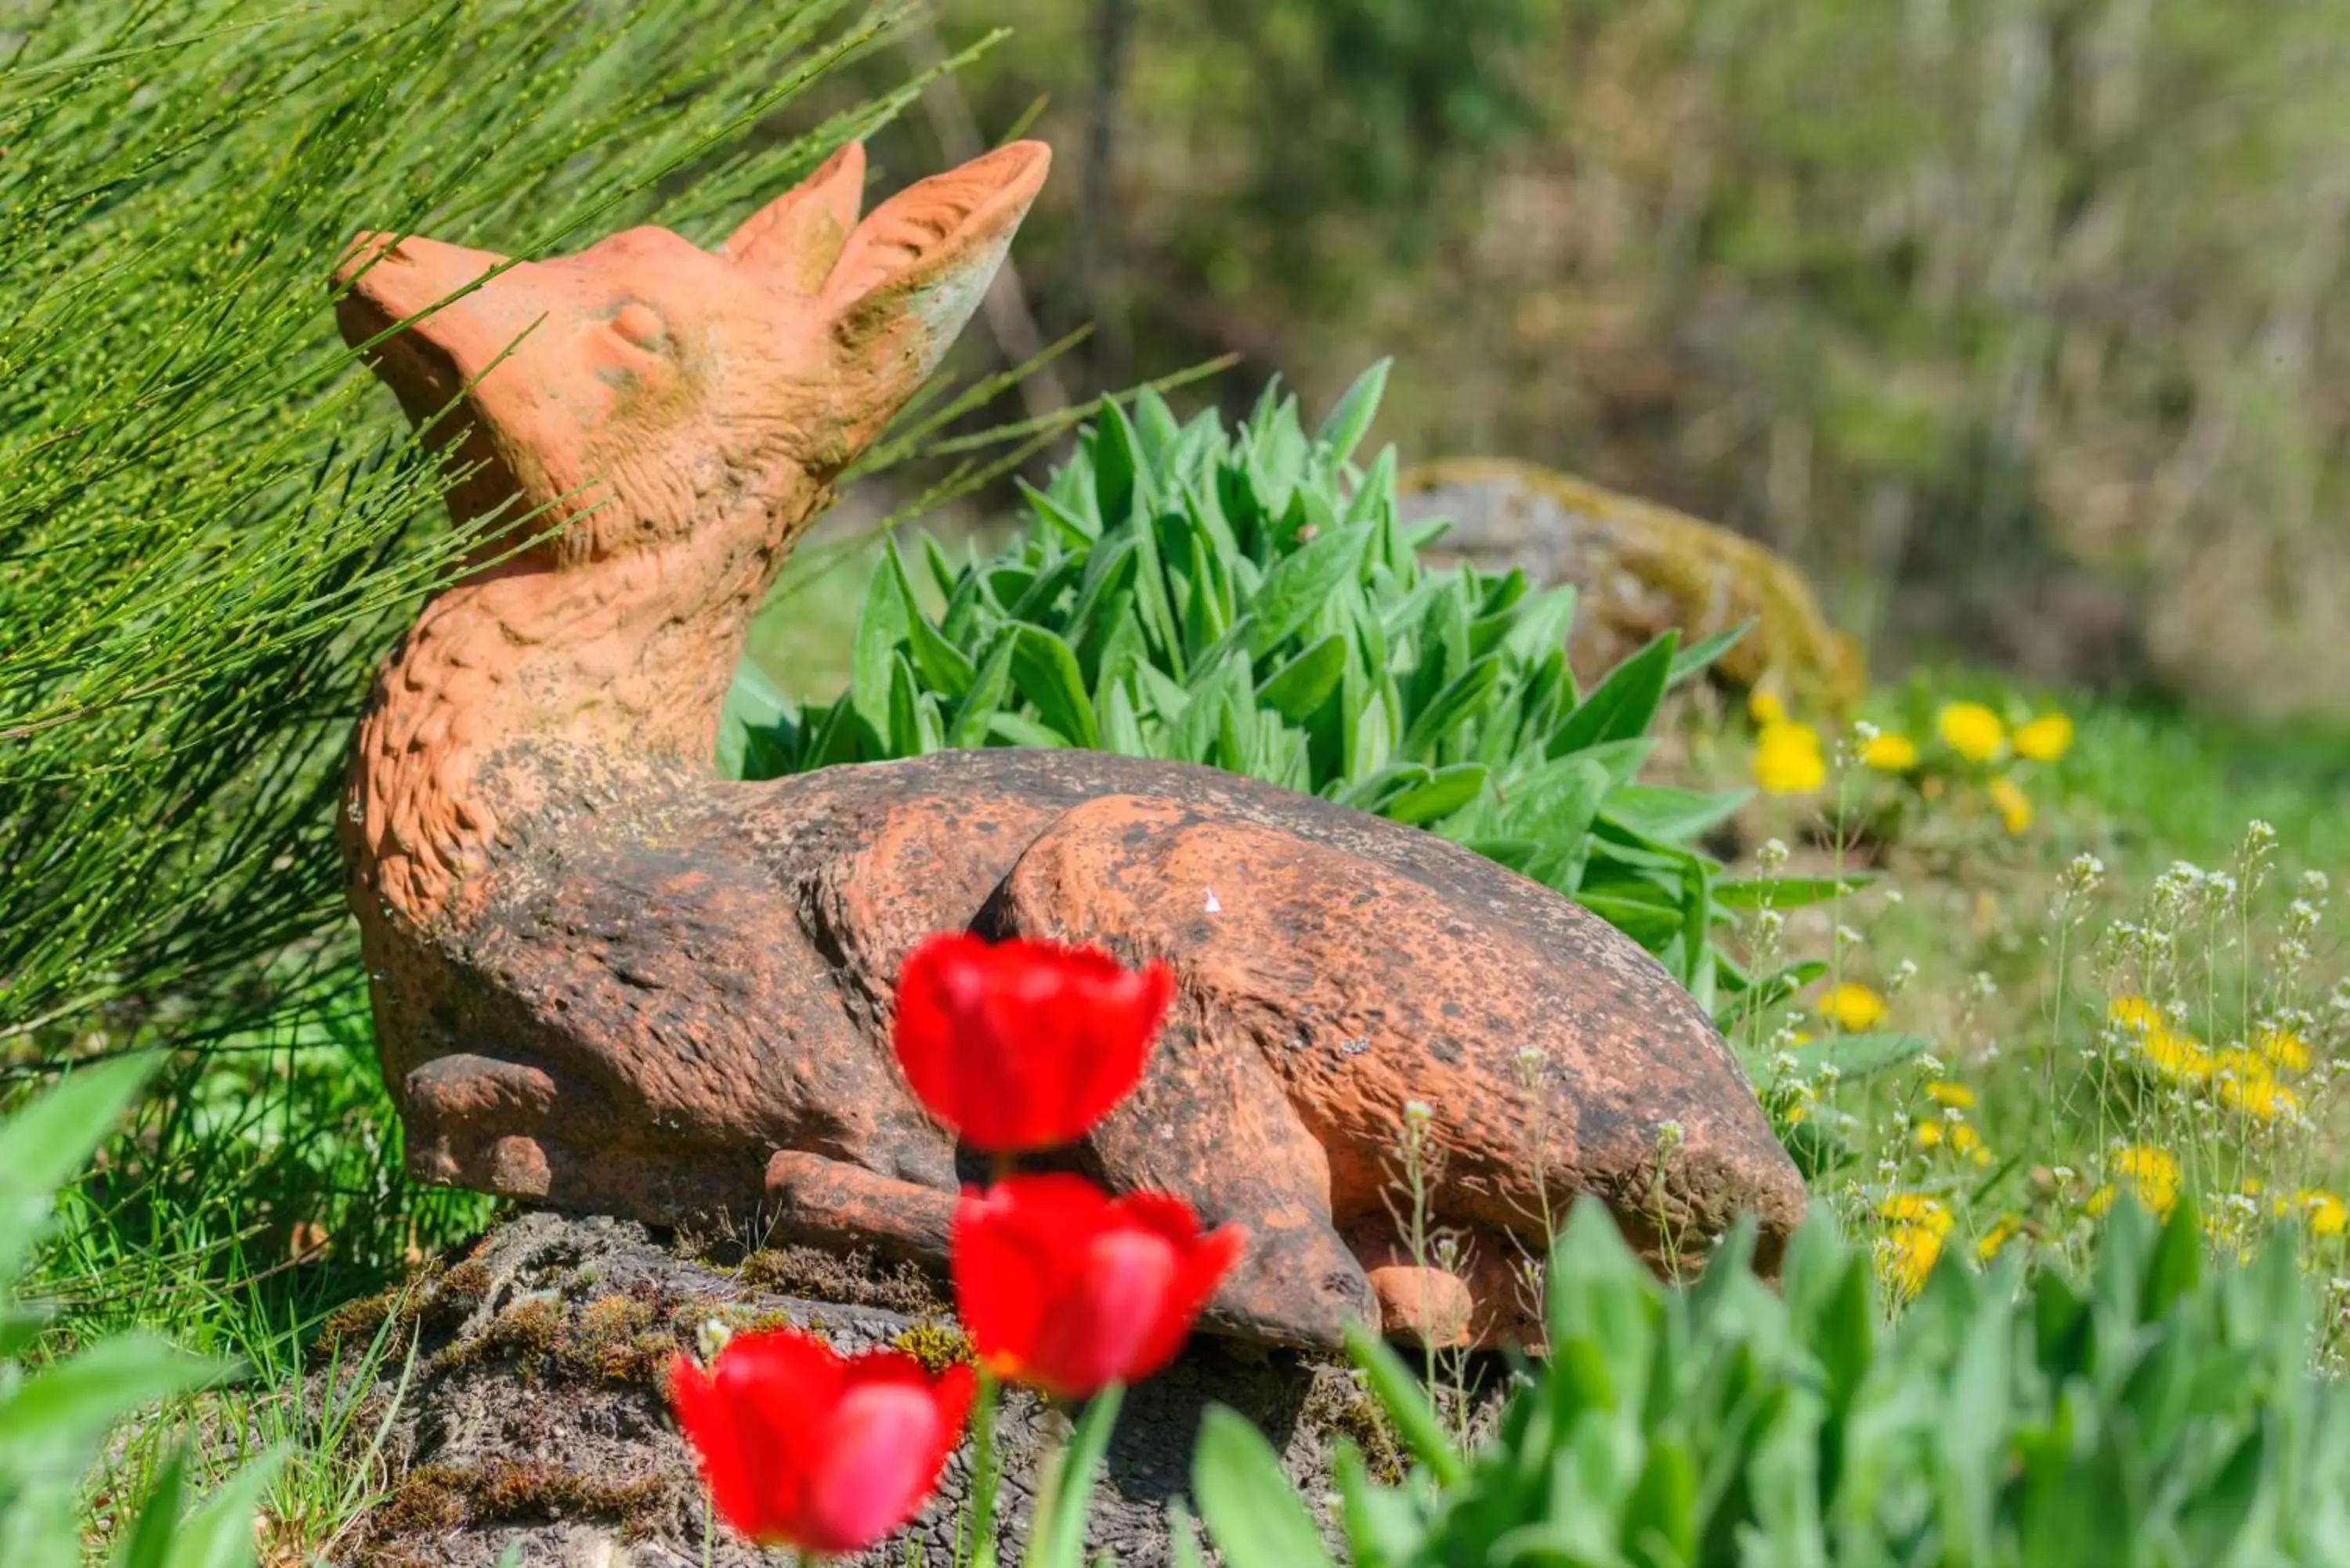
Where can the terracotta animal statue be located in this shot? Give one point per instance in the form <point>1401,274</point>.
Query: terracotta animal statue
<point>603,979</point>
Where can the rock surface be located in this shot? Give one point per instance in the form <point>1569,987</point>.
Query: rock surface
<point>534,1414</point>
<point>1640,568</point>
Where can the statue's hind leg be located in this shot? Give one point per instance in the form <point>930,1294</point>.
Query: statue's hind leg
<point>1212,1122</point>
<point>1214,1128</point>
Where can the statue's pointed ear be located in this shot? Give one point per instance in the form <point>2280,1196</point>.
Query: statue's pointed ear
<point>912,272</point>
<point>795,238</point>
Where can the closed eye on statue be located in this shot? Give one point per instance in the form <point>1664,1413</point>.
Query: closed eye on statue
<point>640,323</point>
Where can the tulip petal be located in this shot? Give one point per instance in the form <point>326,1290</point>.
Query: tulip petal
<point>1022,1044</point>
<point>1203,1268</point>
<point>1063,1288</point>
<point>710,1430</point>
<point>1009,1261</point>
<point>746,1417</point>
<point>804,1449</point>
<point>876,1445</point>
<point>1094,1331</point>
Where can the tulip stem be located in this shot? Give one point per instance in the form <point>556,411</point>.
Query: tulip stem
<point>1068,1483</point>
<point>1005,1160</point>
<point>985,1470</point>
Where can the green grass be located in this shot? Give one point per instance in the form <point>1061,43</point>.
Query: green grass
<point>2173,864</point>
<point>256,1187</point>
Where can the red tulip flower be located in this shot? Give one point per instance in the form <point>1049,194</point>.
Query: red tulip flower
<point>802,1447</point>
<point>1065,1288</point>
<point>1024,1044</point>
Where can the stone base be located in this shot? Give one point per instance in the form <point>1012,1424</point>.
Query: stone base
<point>534,1411</point>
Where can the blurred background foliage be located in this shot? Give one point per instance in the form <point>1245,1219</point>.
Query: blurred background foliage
<point>2018,323</point>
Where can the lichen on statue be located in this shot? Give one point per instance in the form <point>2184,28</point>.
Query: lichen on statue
<point>1641,569</point>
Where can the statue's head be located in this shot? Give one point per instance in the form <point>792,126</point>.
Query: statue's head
<point>644,383</point>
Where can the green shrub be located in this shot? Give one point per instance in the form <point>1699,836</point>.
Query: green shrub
<point>55,1416</point>
<point>2162,1415</point>
<point>212,522</point>
<point>1246,599</point>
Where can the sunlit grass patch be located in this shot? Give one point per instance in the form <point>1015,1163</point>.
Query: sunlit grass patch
<point>2047,1033</point>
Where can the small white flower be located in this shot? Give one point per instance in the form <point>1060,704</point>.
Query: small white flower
<point>712,1336</point>
<point>1931,1066</point>
<point>1418,1112</point>
<point>1669,1137</point>
<point>1213,906</point>
<point>1773,856</point>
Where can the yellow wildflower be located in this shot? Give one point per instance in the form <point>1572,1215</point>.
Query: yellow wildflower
<point>2324,1212</point>
<point>1852,1007</point>
<point>2259,1096</point>
<point>1913,1209</point>
<point>2286,1050</point>
<point>2044,739</point>
<point>1764,708</point>
<point>2003,1231</point>
<point>2151,1172</point>
<point>1944,1093</point>
<point>2240,1064</point>
<point>1890,754</point>
<point>2223,1232</point>
<point>2177,1056</point>
<point>1912,1242</point>
<point>1972,730</point>
<point>1960,1137</point>
<point>2170,1053</point>
<point>2015,805</point>
<point>1787,760</point>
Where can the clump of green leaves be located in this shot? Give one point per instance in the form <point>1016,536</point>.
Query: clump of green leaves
<point>55,1416</point>
<point>1246,599</point>
<point>2160,1415</point>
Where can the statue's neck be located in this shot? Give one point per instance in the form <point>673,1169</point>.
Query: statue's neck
<point>629,657</point>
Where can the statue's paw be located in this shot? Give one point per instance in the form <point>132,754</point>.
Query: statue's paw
<point>471,1122</point>
<point>526,1130</point>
